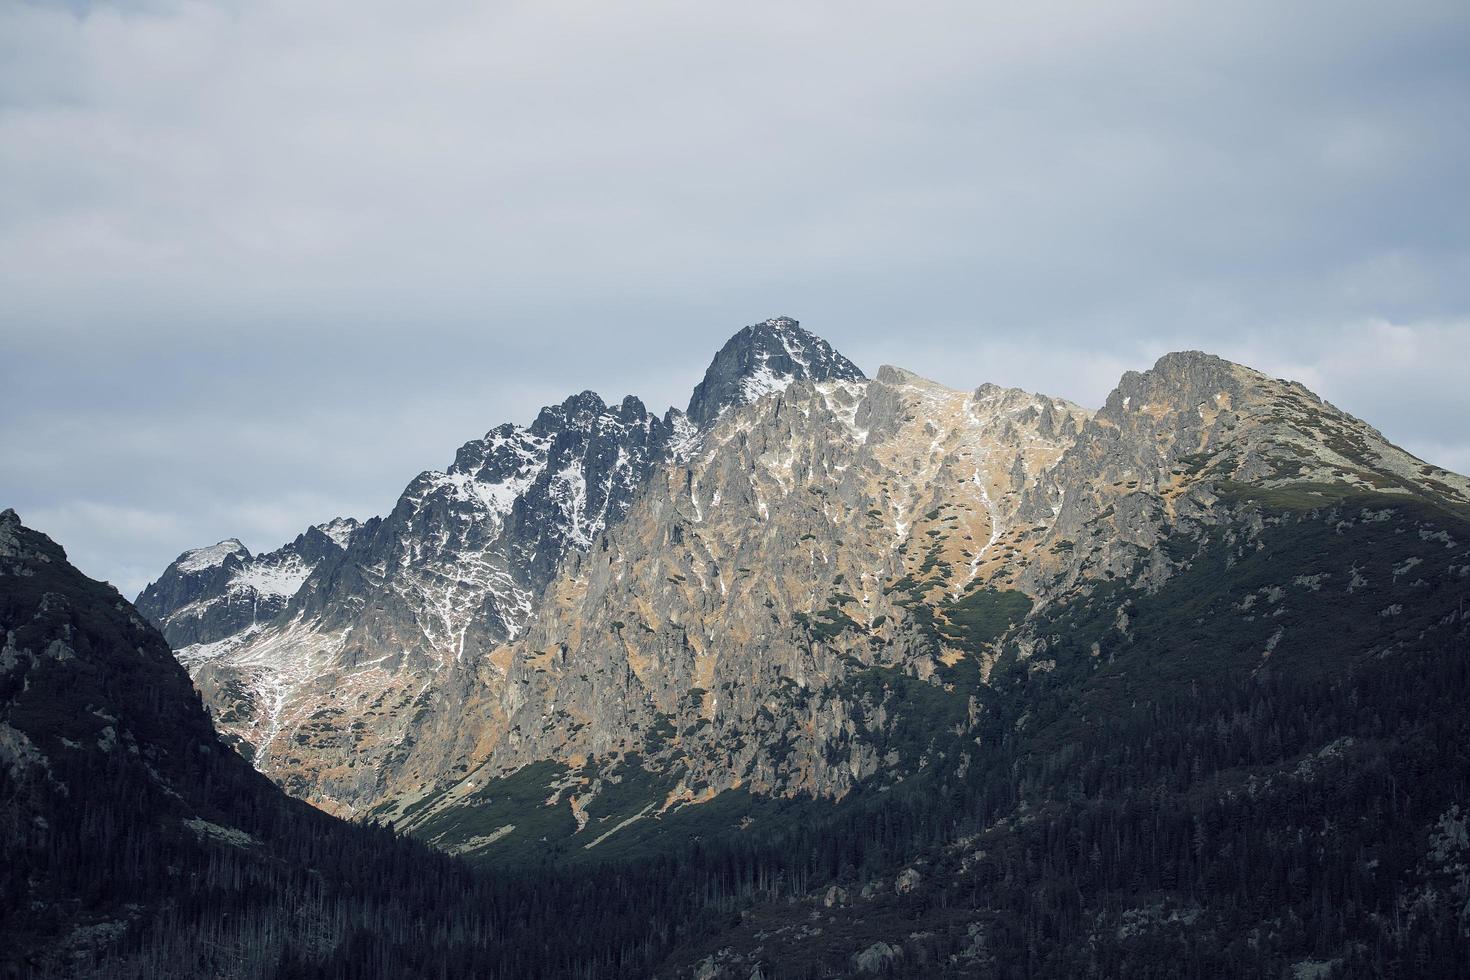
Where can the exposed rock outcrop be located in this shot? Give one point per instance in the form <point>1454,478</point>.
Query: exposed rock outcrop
<point>730,599</point>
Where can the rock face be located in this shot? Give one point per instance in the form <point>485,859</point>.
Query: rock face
<point>585,627</point>
<point>1155,459</point>
<point>747,626</point>
<point>209,594</point>
<point>467,549</point>
<point>748,584</point>
<point>326,694</point>
<point>327,665</point>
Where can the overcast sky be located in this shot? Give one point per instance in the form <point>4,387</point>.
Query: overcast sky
<point>263,261</point>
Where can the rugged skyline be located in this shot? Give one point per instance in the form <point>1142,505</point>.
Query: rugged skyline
<point>611,598</point>
<point>257,262</point>
<point>126,544</point>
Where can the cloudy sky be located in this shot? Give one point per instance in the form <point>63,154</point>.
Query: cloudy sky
<point>263,261</point>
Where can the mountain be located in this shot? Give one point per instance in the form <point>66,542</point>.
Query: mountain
<point>741,630</point>
<point>690,653</point>
<point>613,616</point>
<point>294,649</point>
<point>761,359</point>
<point>209,594</point>
<point>1220,732</point>
<point>878,677</point>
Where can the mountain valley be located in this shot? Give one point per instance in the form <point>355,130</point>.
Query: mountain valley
<point>841,675</point>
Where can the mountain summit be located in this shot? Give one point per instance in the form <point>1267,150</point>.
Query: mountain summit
<point>763,358</point>
<point>212,593</point>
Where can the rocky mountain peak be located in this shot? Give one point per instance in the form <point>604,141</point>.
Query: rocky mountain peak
<point>450,574</point>
<point>339,529</point>
<point>1195,404</point>
<point>202,559</point>
<point>210,593</point>
<point>21,543</point>
<point>890,375</point>
<point>576,411</point>
<point>763,358</point>
<point>1177,381</point>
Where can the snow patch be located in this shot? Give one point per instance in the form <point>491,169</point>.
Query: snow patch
<point>280,579</point>
<point>684,440</point>
<point>762,382</point>
<point>497,497</point>
<point>340,530</point>
<point>569,491</point>
<point>626,823</point>
<point>197,653</point>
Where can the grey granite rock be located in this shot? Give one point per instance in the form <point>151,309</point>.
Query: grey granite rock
<point>761,359</point>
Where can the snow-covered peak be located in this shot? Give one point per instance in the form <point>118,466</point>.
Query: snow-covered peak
<point>215,555</point>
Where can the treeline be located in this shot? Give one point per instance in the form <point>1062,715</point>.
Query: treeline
<point>1234,829</point>
<point>1238,828</point>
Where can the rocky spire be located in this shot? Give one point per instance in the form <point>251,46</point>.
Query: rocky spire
<point>763,358</point>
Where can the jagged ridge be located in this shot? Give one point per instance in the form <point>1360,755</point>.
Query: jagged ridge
<point>453,571</point>
<point>605,585</point>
